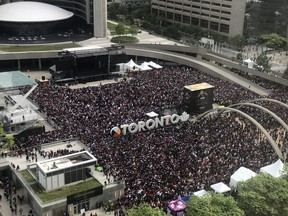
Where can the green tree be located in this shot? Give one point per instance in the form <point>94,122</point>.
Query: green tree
<point>274,40</point>
<point>113,11</point>
<point>1,130</point>
<point>133,30</point>
<point>237,41</point>
<point>145,209</point>
<point>285,170</point>
<point>9,141</point>
<point>264,195</point>
<point>141,12</point>
<point>264,61</point>
<point>213,204</point>
<point>120,29</point>
<point>239,56</point>
<point>172,32</point>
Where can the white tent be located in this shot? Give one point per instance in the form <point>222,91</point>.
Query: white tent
<point>144,66</point>
<point>274,169</point>
<point>131,65</point>
<point>248,63</point>
<point>154,65</point>
<point>200,193</point>
<point>242,174</point>
<point>220,187</point>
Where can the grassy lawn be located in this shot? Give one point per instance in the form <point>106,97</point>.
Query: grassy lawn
<point>111,27</point>
<point>9,48</point>
<point>125,39</point>
<point>65,191</point>
<point>27,176</point>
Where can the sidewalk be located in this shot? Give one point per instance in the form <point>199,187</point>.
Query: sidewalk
<point>5,205</point>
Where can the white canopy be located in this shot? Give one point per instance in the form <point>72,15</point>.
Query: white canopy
<point>242,174</point>
<point>249,63</point>
<point>220,187</point>
<point>131,64</point>
<point>154,65</point>
<point>152,114</point>
<point>144,66</point>
<point>200,193</point>
<point>274,169</point>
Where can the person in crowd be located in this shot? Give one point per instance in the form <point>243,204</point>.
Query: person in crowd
<point>158,165</point>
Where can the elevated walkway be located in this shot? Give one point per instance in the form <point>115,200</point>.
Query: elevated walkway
<point>199,64</point>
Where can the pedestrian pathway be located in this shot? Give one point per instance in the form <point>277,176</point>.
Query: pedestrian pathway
<point>5,205</point>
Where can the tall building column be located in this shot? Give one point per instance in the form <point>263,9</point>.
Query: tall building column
<point>19,64</point>
<point>40,64</point>
<point>100,18</point>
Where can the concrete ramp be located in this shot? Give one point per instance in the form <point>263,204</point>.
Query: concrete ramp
<point>200,65</point>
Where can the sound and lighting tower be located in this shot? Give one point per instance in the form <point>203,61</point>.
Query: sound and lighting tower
<point>198,98</point>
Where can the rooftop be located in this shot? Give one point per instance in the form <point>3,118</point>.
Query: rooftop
<point>66,161</point>
<point>199,86</point>
<point>14,79</point>
<point>32,12</point>
<point>21,116</point>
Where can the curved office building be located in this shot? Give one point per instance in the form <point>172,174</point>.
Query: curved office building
<point>93,12</point>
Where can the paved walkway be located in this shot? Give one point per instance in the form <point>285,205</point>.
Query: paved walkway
<point>5,209</point>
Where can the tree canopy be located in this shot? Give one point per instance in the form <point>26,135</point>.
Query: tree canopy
<point>145,209</point>
<point>273,40</point>
<point>264,195</point>
<point>120,29</point>
<point>237,41</point>
<point>263,60</point>
<point>133,30</point>
<point>213,204</point>
<point>172,32</point>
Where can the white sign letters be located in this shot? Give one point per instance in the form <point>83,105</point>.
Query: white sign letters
<point>153,123</point>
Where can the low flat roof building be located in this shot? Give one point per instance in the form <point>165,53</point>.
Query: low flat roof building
<point>70,185</point>
<point>62,171</point>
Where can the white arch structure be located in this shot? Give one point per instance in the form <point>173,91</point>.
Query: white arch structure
<point>271,100</point>
<point>276,117</point>
<point>257,124</point>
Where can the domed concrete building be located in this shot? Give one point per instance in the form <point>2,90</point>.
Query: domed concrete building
<point>32,18</point>
<point>92,12</point>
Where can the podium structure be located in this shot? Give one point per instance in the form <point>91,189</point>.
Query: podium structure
<point>198,98</point>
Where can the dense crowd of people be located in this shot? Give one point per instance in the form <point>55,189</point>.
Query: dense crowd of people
<point>157,165</point>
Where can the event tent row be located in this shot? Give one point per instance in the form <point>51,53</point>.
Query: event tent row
<point>177,207</point>
<point>243,174</point>
<point>131,65</point>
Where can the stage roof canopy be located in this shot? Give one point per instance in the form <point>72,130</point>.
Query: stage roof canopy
<point>32,12</point>
<point>198,86</point>
<point>13,80</point>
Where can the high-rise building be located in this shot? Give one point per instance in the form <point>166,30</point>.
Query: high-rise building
<point>265,17</point>
<point>223,16</point>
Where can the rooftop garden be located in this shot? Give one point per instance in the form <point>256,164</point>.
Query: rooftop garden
<point>27,176</point>
<point>63,192</point>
